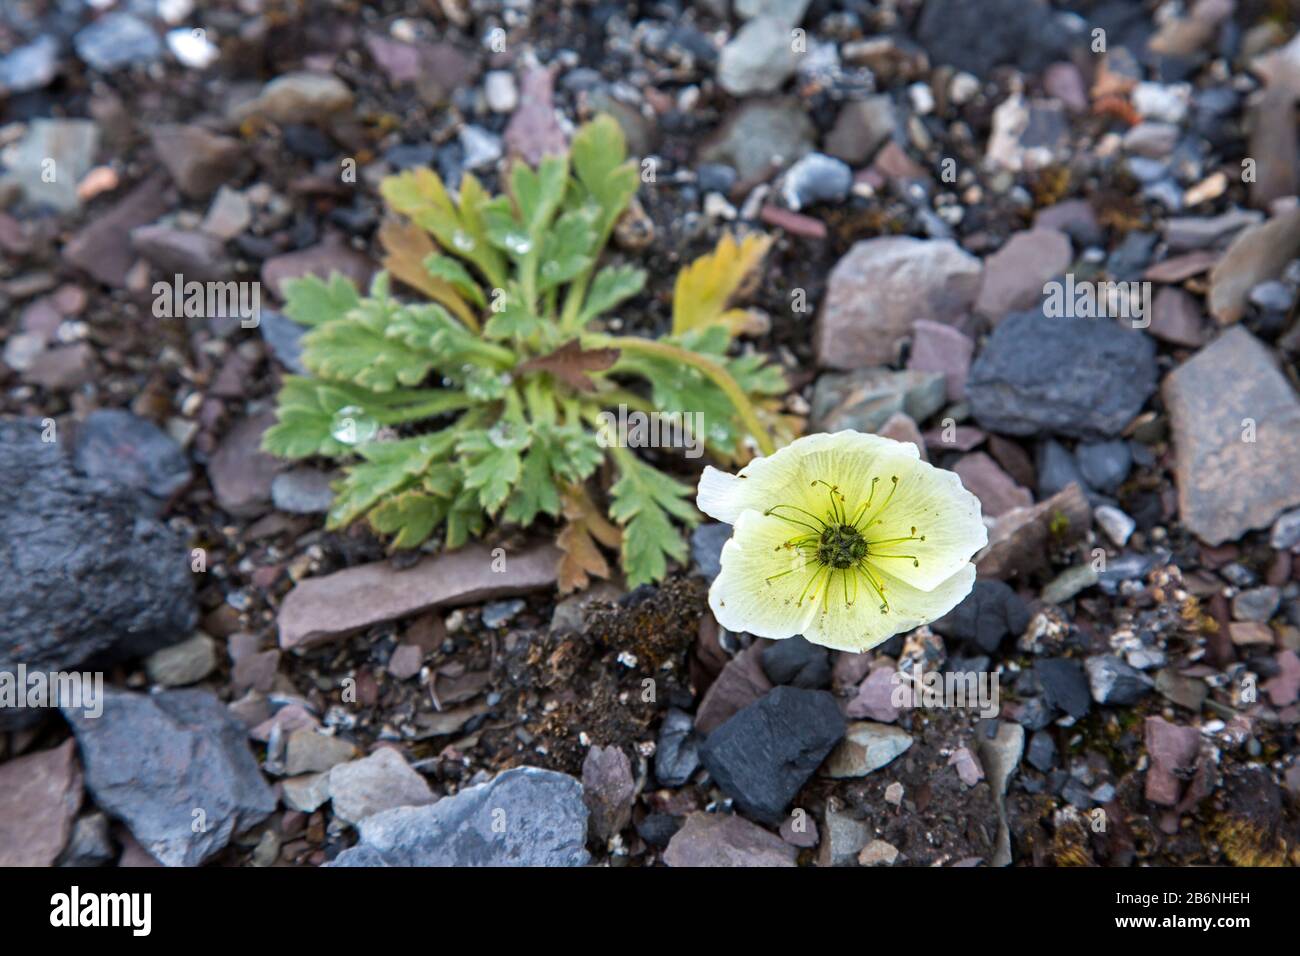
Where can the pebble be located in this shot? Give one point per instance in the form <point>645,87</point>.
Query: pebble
<point>115,444</point>
<point>500,613</point>
<point>115,41</point>
<point>298,98</point>
<point>309,751</point>
<point>1256,604</point>
<point>1226,485</point>
<point>183,664</point>
<point>608,790</point>
<point>1069,583</point>
<point>1015,275</point>
<point>39,796</point>
<point>69,144</point>
<point>861,128</point>
<point>677,753</point>
<point>303,491</point>
<point>706,548</point>
<point>878,853</point>
<point>991,612</point>
<point>1114,682</point>
<point>816,178</point>
<point>720,839</point>
<point>501,91</point>
<point>1117,526</point>
<point>381,781</point>
<point>758,59</point>
<point>868,398</point>
<point>842,838</point>
<point>760,136</point>
<point>867,746</point>
<point>30,67</point>
<point>525,816</point>
<point>1064,686</point>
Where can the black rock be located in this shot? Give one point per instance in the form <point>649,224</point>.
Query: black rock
<point>1132,256</point>
<point>979,36</point>
<point>1113,681</point>
<point>1064,685</point>
<point>124,448</point>
<point>797,662</point>
<point>715,177</point>
<point>1104,464</point>
<point>989,613</point>
<point>1042,751</point>
<point>658,828</point>
<point>175,768</point>
<point>1035,714</point>
<point>764,754</point>
<point>308,142</point>
<point>1083,378</point>
<point>677,754</point>
<point>88,576</point>
<point>706,548</point>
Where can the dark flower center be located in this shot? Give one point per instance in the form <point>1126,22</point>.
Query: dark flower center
<point>841,546</point>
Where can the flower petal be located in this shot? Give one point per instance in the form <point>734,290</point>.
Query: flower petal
<point>848,459</point>
<point>863,626</point>
<point>742,596</point>
<point>933,502</point>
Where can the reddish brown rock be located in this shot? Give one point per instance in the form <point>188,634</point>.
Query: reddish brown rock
<point>741,683</point>
<point>1258,253</point>
<point>1173,751</point>
<point>319,610</point>
<point>331,255</point>
<point>198,161</point>
<point>997,491</point>
<point>1020,542</point>
<point>39,797</point>
<point>719,839</point>
<point>1014,276</point>
<point>103,248</point>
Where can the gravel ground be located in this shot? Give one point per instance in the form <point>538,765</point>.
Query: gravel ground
<point>948,184</point>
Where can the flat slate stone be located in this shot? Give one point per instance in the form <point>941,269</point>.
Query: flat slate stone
<point>523,817</point>
<point>1228,485</point>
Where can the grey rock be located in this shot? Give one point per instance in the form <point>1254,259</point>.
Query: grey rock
<point>719,839</point>
<point>1187,233</point>
<point>156,761</point>
<point>115,41</point>
<point>1112,681</point>
<point>522,817</point>
<point>880,287</point>
<point>89,844</point>
<point>867,746</point>
<point>1117,525</point>
<point>183,664</point>
<point>789,12</point>
<point>302,491</point>
<point>123,448</point>
<point>762,756</point>
<point>1256,604</point>
<point>861,128</point>
<point>976,38</point>
<point>762,136</point>
<point>124,586</point>
<point>194,255</point>
<point>1188,692</point>
<point>70,145</point>
<point>677,754</point>
<point>30,67</point>
<point>1069,583</point>
<point>284,337</point>
<point>1286,531</point>
<point>706,548</point>
<point>1064,685</point>
<point>1258,253</point>
<point>1056,468</point>
<point>1042,751</point>
<point>814,179</point>
<point>307,793</point>
<point>298,98</point>
<point>867,398</point>
<point>1227,484</point>
<point>842,839</point>
<point>374,784</point>
<point>1084,378</point>
<point>501,613</point>
<point>758,59</point>
<point>608,789</point>
<point>798,663</point>
<point>1104,465</point>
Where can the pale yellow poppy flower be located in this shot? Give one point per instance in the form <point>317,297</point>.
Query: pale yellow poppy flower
<point>844,538</point>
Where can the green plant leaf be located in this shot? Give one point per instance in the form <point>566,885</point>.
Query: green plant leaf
<point>465,520</point>
<point>558,454</point>
<point>410,516</point>
<point>514,320</point>
<point>449,270</point>
<point>492,462</point>
<point>645,501</point>
<point>311,411</point>
<point>567,247</point>
<point>420,195</point>
<point>388,467</point>
<point>539,194</point>
<point>310,301</point>
<point>598,154</point>
<point>612,285</point>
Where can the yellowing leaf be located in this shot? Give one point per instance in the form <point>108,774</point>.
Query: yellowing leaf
<point>406,247</point>
<point>706,286</point>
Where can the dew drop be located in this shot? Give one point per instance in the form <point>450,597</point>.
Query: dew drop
<point>352,426</point>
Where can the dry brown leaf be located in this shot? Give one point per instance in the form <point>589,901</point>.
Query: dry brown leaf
<point>570,363</point>
<point>406,246</point>
<point>584,526</point>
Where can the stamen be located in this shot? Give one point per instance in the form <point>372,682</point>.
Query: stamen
<point>875,586</point>
<point>916,563</point>
<point>815,576</point>
<point>837,510</point>
<point>803,524</point>
<point>875,517</point>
